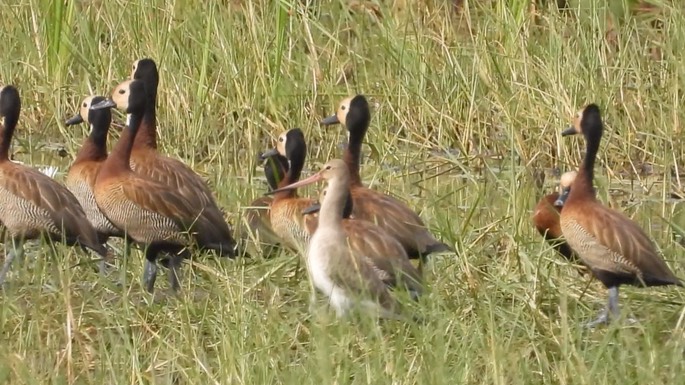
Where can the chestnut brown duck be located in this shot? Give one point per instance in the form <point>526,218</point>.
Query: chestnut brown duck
<point>33,204</point>
<point>613,247</point>
<point>546,220</point>
<point>388,212</point>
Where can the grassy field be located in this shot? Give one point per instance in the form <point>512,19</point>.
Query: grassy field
<point>466,116</point>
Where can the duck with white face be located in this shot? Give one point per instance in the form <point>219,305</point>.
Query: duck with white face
<point>35,205</point>
<point>613,247</point>
<point>151,214</point>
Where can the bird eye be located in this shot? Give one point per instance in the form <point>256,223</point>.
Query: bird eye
<point>328,167</point>
<point>342,108</point>
<point>85,105</point>
<point>122,91</point>
<point>281,139</point>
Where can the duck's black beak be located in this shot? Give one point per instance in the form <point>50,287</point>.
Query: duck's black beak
<point>333,119</point>
<point>107,103</point>
<point>562,198</point>
<point>76,119</point>
<point>312,209</point>
<point>569,131</point>
<point>268,154</point>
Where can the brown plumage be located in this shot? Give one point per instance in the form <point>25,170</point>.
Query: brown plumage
<point>615,248</point>
<point>285,211</point>
<point>348,278</point>
<point>546,220</point>
<point>382,251</point>
<point>257,216</point>
<point>81,176</point>
<point>388,212</point>
<point>33,204</point>
<point>146,161</point>
<point>150,213</point>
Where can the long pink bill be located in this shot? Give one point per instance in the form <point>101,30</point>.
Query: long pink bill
<point>312,179</point>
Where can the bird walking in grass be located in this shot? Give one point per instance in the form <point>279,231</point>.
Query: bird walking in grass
<point>546,220</point>
<point>388,212</point>
<point>149,212</point>
<point>81,176</point>
<point>346,278</point>
<point>33,205</point>
<point>615,249</point>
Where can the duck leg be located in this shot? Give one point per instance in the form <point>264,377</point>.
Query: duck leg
<point>611,311</point>
<point>16,252</point>
<point>174,264</point>
<point>150,269</point>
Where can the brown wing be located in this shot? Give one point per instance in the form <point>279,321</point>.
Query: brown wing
<point>62,206</point>
<point>384,253</point>
<point>153,196</point>
<point>358,277</point>
<point>172,173</point>
<point>395,218</point>
<point>258,221</point>
<point>600,232</point>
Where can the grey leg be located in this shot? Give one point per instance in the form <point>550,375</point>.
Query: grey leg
<point>16,252</point>
<point>610,311</point>
<point>612,304</point>
<point>175,261</point>
<point>102,267</point>
<point>149,275</point>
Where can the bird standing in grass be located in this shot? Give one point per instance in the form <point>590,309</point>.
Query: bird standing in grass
<point>33,205</point>
<point>546,219</point>
<point>389,213</point>
<point>348,279</point>
<point>83,171</point>
<point>152,214</point>
<point>285,211</point>
<point>148,162</point>
<point>615,248</point>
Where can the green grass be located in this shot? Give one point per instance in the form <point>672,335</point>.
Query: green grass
<point>466,115</point>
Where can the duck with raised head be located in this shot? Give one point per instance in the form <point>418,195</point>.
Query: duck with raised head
<point>388,212</point>
<point>382,251</point>
<point>345,277</point>
<point>613,247</point>
<point>148,162</point>
<point>546,220</point>
<point>257,216</point>
<point>33,204</point>
<point>151,214</point>
<point>83,171</point>
<point>285,211</point>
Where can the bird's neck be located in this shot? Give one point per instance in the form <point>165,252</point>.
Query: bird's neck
<point>331,213</point>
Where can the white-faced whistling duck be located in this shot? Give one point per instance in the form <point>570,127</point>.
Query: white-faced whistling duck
<point>286,216</point>
<point>146,161</point>
<point>33,204</point>
<point>614,248</point>
<point>257,216</point>
<point>150,213</point>
<point>546,220</point>
<point>83,171</point>
<point>389,213</point>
